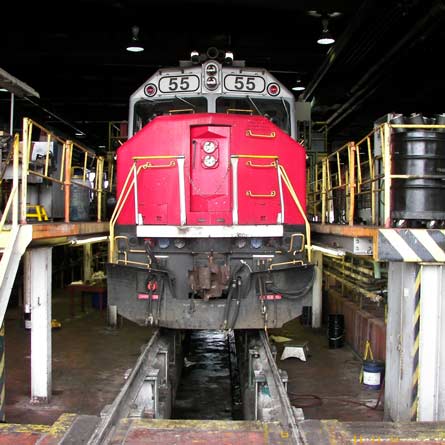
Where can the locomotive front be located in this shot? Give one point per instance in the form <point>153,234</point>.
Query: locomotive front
<point>209,230</point>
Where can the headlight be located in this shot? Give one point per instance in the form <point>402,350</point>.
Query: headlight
<point>211,83</point>
<point>209,161</point>
<point>209,146</point>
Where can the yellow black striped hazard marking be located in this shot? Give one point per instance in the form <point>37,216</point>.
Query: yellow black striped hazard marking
<point>412,245</point>
<point>415,352</point>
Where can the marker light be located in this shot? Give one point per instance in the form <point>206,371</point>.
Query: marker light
<point>273,89</point>
<point>150,90</point>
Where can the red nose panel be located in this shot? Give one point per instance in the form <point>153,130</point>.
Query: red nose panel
<point>258,191</point>
<point>210,178</point>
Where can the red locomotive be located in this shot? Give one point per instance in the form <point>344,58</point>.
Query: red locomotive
<point>209,230</point>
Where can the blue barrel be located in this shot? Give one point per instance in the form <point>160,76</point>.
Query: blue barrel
<point>373,371</point>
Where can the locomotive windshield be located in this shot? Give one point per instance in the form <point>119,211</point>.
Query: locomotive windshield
<point>146,110</point>
<point>276,110</point>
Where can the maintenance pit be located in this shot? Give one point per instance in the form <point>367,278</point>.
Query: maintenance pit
<point>92,361</point>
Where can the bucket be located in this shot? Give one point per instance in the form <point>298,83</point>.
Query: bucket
<point>336,329</point>
<point>373,373</point>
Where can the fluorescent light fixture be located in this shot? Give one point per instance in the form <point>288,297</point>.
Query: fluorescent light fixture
<point>299,86</point>
<point>3,90</point>
<point>135,45</point>
<point>93,239</point>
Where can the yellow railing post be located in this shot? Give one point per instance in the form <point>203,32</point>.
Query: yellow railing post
<point>373,184</point>
<point>26,143</point>
<point>100,181</point>
<point>67,182</point>
<point>351,157</point>
<point>15,181</point>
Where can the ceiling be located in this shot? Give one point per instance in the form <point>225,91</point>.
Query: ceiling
<point>387,56</point>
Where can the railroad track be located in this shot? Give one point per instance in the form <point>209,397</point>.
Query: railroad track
<point>144,403</point>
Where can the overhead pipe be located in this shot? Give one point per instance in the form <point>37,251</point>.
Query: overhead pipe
<point>331,121</point>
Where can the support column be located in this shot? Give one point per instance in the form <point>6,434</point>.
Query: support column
<point>317,289</point>
<point>40,285</point>
<point>87,260</point>
<point>401,366</point>
<point>2,373</point>
<point>431,405</point>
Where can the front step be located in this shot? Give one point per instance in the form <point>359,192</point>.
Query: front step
<point>198,432</point>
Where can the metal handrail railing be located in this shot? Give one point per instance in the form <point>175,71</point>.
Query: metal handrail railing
<point>359,173</point>
<point>133,173</point>
<point>294,196</point>
<point>13,199</point>
<point>73,155</point>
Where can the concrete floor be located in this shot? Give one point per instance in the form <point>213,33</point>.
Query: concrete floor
<point>327,385</point>
<point>90,361</point>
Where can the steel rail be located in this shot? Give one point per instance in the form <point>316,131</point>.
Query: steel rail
<point>275,383</point>
<point>120,407</point>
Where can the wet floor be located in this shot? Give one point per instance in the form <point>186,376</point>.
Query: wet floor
<point>205,388</point>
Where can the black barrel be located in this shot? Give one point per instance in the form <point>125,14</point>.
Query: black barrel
<point>420,153</point>
<point>336,330</point>
<point>306,316</point>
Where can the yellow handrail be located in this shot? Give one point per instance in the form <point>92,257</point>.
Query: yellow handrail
<point>125,192</point>
<point>294,196</point>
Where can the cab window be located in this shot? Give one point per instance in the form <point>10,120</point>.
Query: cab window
<point>276,110</point>
<point>146,110</point>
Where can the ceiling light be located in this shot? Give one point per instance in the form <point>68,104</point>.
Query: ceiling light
<point>299,86</point>
<point>3,90</point>
<point>194,57</point>
<point>135,45</point>
<point>228,58</point>
<point>326,37</point>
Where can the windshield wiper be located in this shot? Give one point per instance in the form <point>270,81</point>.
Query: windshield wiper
<point>186,102</point>
<point>285,107</point>
<point>254,105</point>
